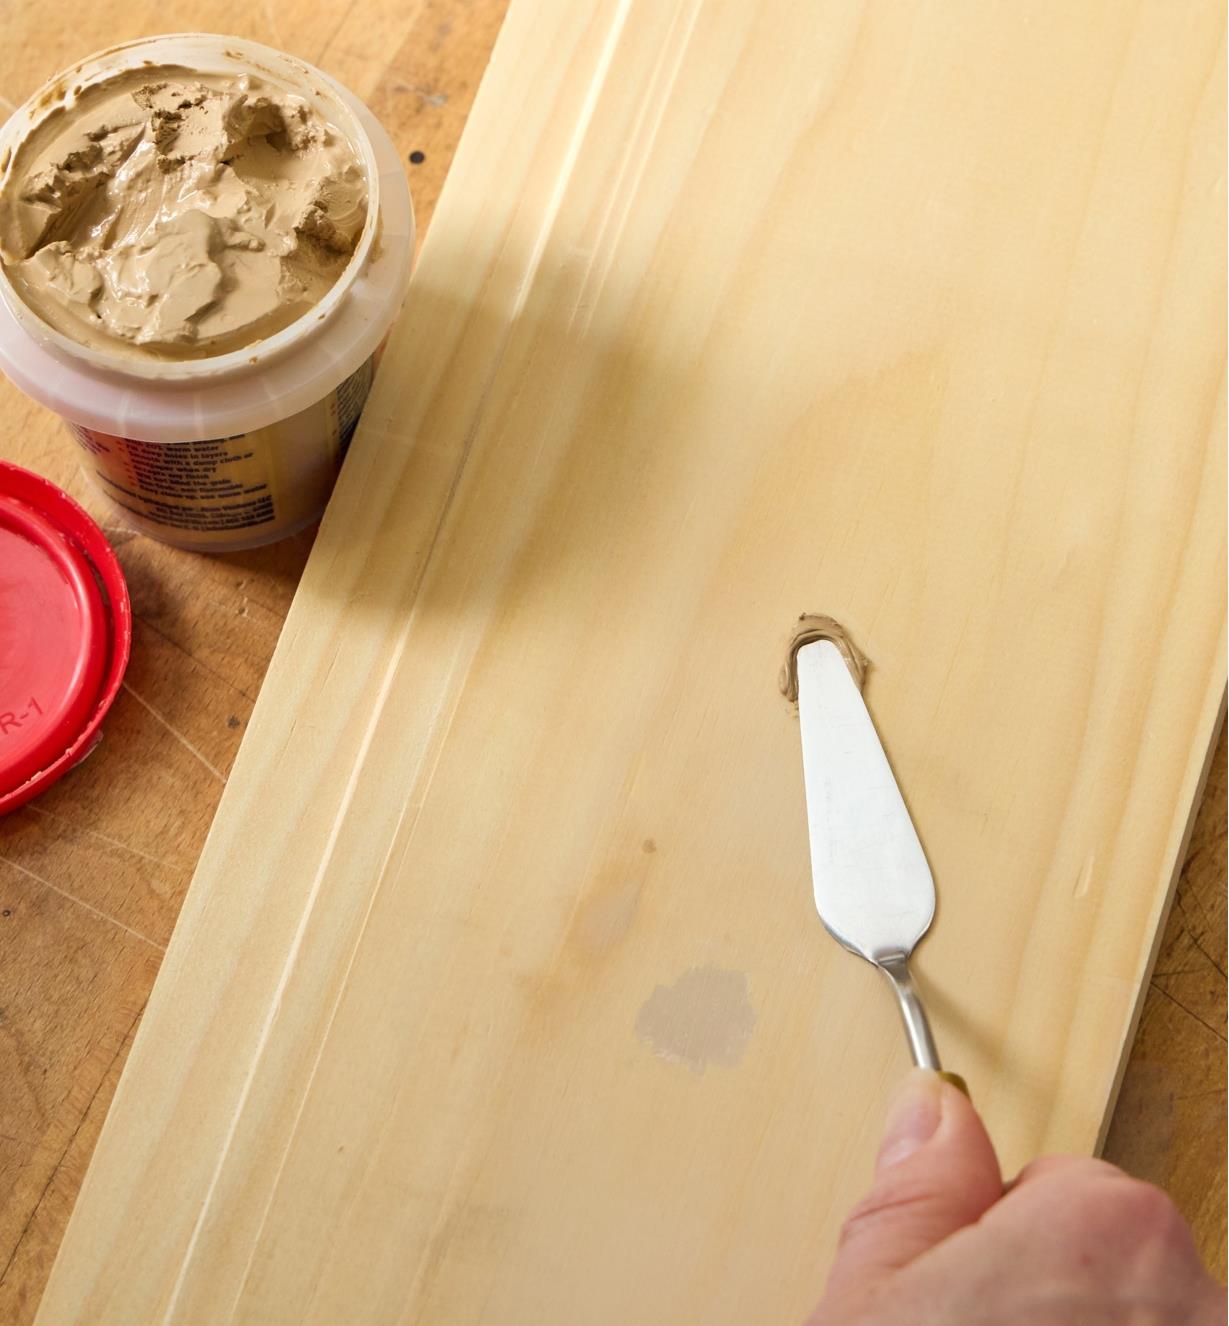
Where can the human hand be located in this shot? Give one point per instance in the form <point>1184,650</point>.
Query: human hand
<point>1072,1242</point>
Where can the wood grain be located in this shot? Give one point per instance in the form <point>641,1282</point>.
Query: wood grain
<point>127,832</point>
<point>102,862</point>
<point>1169,1123</point>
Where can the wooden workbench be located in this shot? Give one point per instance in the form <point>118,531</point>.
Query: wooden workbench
<point>92,875</point>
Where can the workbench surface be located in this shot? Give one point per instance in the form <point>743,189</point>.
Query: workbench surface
<point>93,873</point>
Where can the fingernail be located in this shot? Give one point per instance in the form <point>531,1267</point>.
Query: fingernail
<point>957,1081</point>
<point>912,1119</point>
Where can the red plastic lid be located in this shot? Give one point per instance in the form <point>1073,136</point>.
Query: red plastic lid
<point>65,633</point>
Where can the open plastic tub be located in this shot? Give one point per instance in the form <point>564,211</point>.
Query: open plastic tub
<point>238,449</point>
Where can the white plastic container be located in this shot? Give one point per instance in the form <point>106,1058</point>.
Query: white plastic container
<point>243,448</point>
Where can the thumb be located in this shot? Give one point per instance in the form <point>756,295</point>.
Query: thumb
<point>936,1172</point>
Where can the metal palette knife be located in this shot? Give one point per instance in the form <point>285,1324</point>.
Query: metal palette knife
<point>873,889</point>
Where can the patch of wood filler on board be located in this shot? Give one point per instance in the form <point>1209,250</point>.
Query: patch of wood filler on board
<point>704,1019</point>
<point>809,628</point>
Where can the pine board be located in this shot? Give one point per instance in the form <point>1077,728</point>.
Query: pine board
<point>497,994</point>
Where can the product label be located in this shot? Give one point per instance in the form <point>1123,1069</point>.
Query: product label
<point>231,490</point>
<point>216,484</point>
<point>351,396</point>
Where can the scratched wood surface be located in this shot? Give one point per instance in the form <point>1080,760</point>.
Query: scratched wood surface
<point>93,874</point>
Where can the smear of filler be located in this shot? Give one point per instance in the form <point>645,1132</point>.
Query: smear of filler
<point>809,628</point>
<point>175,215</point>
<point>704,1018</point>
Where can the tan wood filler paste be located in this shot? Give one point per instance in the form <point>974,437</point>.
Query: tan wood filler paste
<point>171,214</point>
<point>809,628</point>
